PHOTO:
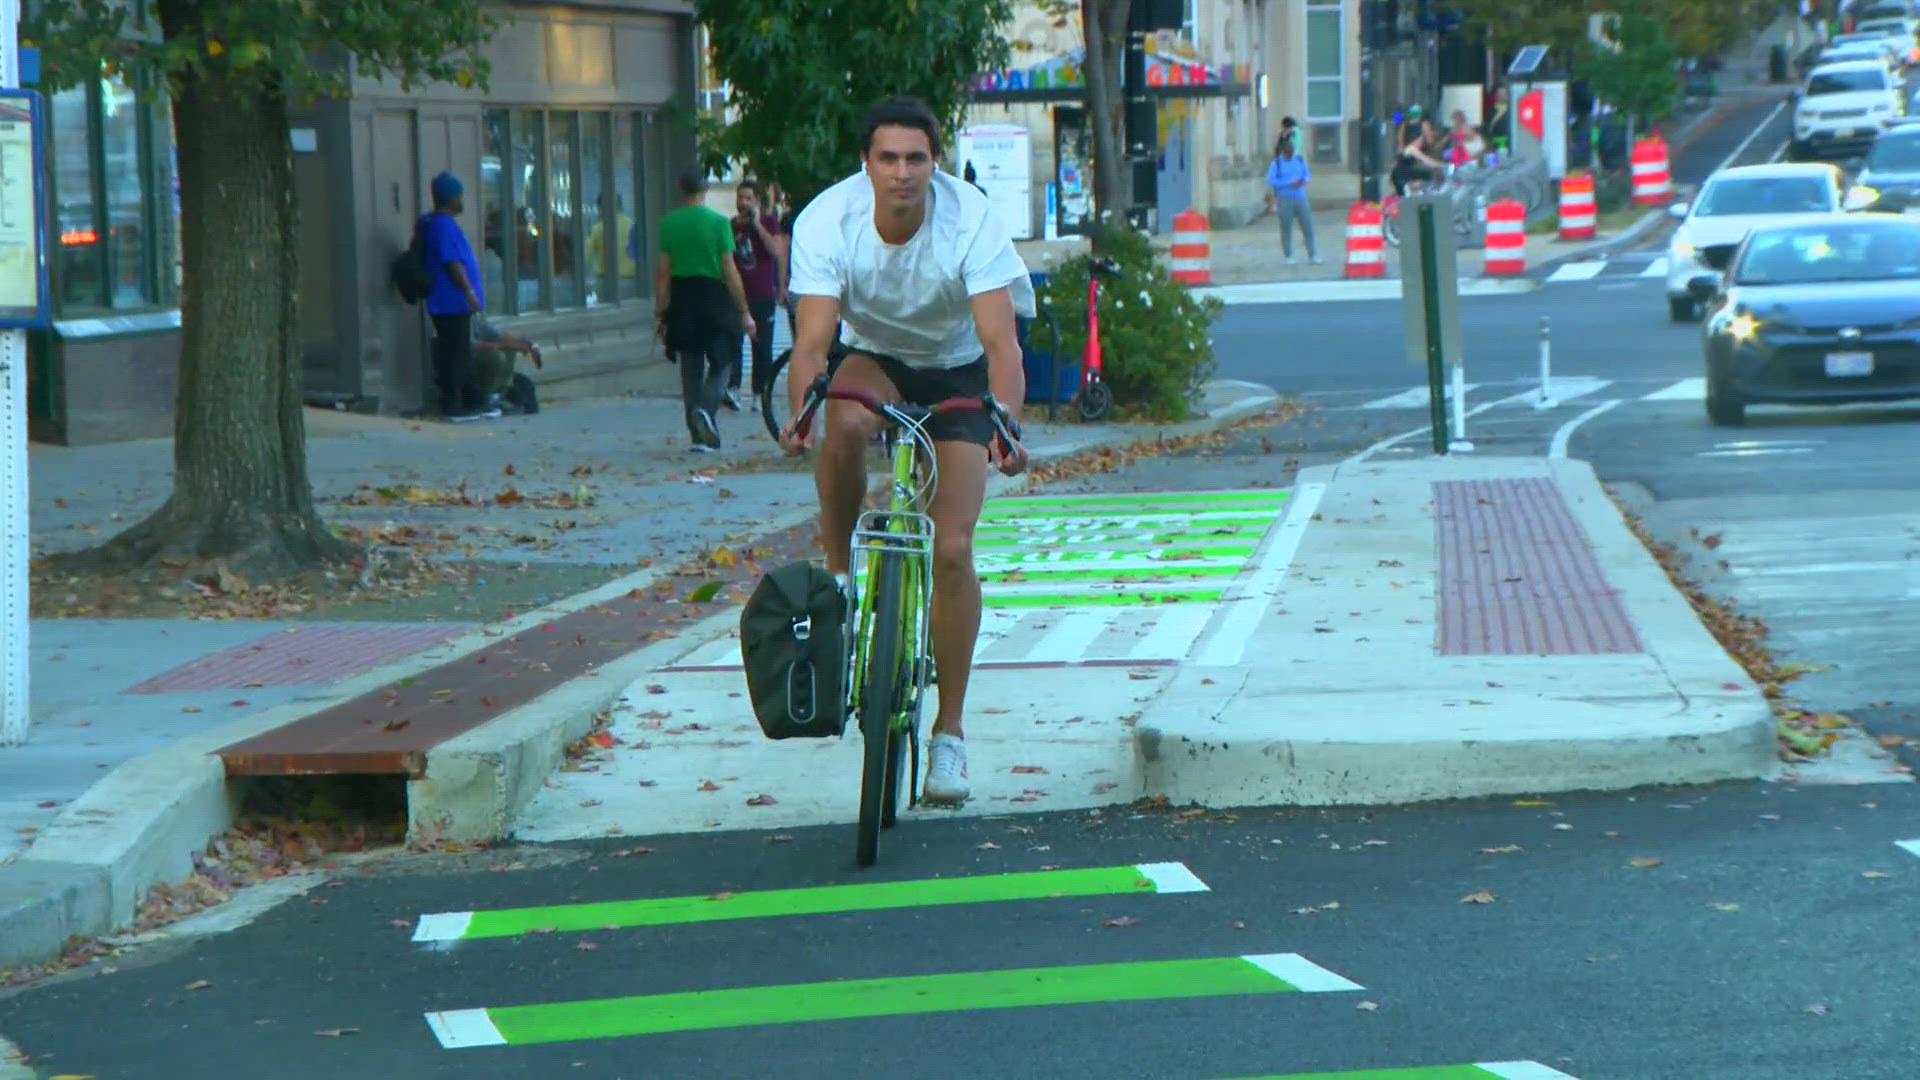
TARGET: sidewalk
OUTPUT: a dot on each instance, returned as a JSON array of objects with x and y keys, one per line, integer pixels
[
  {"x": 614, "y": 524},
  {"x": 1401, "y": 631}
]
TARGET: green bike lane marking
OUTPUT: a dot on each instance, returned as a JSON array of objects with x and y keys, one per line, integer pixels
[
  {"x": 1490, "y": 1070},
  {"x": 906, "y": 995},
  {"x": 1150, "y": 498},
  {"x": 868, "y": 896},
  {"x": 1134, "y": 597}
]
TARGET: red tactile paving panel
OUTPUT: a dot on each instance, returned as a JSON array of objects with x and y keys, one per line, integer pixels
[
  {"x": 305, "y": 656},
  {"x": 1518, "y": 576}
]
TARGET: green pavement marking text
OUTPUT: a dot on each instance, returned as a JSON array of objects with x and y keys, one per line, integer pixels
[
  {"x": 868, "y": 896},
  {"x": 704, "y": 1010},
  {"x": 1497, "y": 1070}
]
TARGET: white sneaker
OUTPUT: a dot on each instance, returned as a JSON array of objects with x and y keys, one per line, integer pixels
[
  {"x": 1291, "y": 261},
  {"x": 946, "y": 771}
]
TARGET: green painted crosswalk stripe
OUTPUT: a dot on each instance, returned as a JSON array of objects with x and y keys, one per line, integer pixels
[
  {"x": 1141, "y": 499},
  {"x": 705, "y": 1010},
  {"x": 1140, "y": 596},
  {"x": 867, "y": 896},
  {"x": 1239, "y": 543},
  {"x": 1172, "y": 571},
  {"x": 1496, "y": 1070},
  {"x": 1154, "y": 523}
]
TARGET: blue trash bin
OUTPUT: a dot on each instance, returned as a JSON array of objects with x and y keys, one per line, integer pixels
[{"x": 1039, "y": 339}]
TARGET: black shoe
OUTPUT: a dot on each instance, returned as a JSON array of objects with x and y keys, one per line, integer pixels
[{"x": 705, "y": 434}]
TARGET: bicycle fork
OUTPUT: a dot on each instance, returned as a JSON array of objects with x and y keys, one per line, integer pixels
[{"x": 907, "y": 533}]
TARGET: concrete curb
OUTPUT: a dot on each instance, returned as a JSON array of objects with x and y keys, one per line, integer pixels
[
  {"x": 1200, "y": 741},
  {"x": 142, "y": 823}
]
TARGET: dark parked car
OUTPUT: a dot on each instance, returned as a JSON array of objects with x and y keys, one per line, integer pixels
[{"x": 1820, "y": 310}]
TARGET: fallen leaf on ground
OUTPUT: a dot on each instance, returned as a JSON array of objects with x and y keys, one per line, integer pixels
[
  {"x": 585, "y": 946},
  {"x": 721, "y": 896},
  {"x": 1818, "y": 1010},
  {"x": 761, "y": 800},
  {"x": 1481, "y": 897},
  {"x": 334, "y": 1033},
  {"x": 1367, "y": 1006},
  {"x": 400, "y": 924},
  {"x": 709, "y": 786},
  {"x": 541, "y": 929},
  {"x": 1120, "y": 920},
  {"x": 1027, "y": 769},
  {"x": 1725, "y": 907},
  {"x": 1504, "y": 849},
  {"x": 986, "y": 845},
  {"x": 1531, "y": 802},
  {"x": 1643, "y": 861},
  {"x": 1875, "y": 874},
  {"x": 199, "y": 984}
]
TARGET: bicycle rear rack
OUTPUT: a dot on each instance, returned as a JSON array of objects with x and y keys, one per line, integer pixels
[{"x": 911, "y": 534}]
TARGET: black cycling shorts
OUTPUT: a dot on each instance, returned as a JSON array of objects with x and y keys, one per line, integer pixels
[{"x": 930, "y": 386}]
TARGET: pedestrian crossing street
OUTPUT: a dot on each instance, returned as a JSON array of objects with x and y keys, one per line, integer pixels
[
  {"x": 1111, "y": 579},
  {"x": 1625, "y": 265},
  {"x": 1565, "y": 389},
  {"x": 468, "y": 939}
]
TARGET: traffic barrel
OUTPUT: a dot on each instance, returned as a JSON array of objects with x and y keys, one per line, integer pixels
[
  {"x": 1652, "y": 180},
  {"x": 1578, "y": 214},
  {"x": 1366, "y": 242},
  {"x": 1506, "y": 238},
  {"x": 1192, "y": 248}
]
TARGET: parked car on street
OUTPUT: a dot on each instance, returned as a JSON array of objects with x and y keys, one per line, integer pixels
[
  {"x": 1818, "y": 310},
  {"x": 1732, "y": 203}
]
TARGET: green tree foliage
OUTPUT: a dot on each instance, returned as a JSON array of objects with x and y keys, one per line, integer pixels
[
  {"x": 1642, "y": 75},
  {"x": 1155, "y": 348},
  {"x": 241, "y": 496},
  {"x": 802, "y": 74},
  {"x": 1509, "y": 24}
]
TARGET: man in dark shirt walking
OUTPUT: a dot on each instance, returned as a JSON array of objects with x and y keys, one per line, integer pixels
[
  {"x": 452, "y": 301},
  {"x": 760, "y": 251}
]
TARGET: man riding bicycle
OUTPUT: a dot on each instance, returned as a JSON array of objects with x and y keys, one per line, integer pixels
[{"x": 922, "y": 279}]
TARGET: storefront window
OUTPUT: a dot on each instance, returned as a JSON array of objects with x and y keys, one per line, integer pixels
[
  {"x": 632, "y": 213},
  {"x": 594, "y": 205},
  {"x": 1326, "y": 60},
  {"x": 77, "y": 270},
  {"x": 131, "y": 280},
  {"x": 532, "y": 247},
  {"x": 564, "y": 184},
  {"x": 496, "y": 251}
]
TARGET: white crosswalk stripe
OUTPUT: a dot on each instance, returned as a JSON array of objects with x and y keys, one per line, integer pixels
[
  {"x": 1578, "y": 271},
  {"x": 1656, "y": 268},
  {"x": 1411, "y": 398},
  {"x": 1694, "y": 389}
]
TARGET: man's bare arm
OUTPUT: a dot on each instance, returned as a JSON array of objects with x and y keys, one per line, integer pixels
[{"x": 1000, "y": 336}]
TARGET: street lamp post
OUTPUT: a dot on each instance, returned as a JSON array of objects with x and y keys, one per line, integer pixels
[{"x": 14, "y": 544}]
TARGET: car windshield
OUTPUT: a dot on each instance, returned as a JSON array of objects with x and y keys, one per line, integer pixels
[
  {"x": 1895, "y": 153},
  {"x": 1845, "y": 82},
  {"x": 1849, "y": 53},
  {"x": 1884, "y": 29},
  {"x": 1766, "y": 195},
  {"x": 1830, "y": 253}
]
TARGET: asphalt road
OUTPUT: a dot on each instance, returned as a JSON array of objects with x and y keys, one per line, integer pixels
[{"x": 1770, "y": 940}]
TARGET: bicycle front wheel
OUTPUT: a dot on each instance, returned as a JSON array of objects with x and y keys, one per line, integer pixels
[
  {"x": 879, "y": 700},
  {"x": 773, "y": 395}
]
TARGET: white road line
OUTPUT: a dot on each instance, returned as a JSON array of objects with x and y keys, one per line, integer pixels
[
  {"x": 1684, "y": 390},
  {"x": 1751, "y": 135},
  {"x": 1799, "y": 569},
  {"x": 1069, "y": 638},
  {"x": 1412, "y": 398},
  {"x": 1521, "y": 1070},
  {"x": 1171, "y": 877},
  {"x": 1571, "y": 388},
  {"x": 1756, "y": 453},
  {"x": 1173, "y": 633},
  {"x": 1301, "y": 973},
  {"x": 1243, "y": 613},
  {"x": 458, "y": 1029},
  {"x": 442, "y": 926},
  {"x": 1578, "y": 271},
  {"x": 1558, "y": 448},
  {"x": 1779, "y": 153},
  {"x": 1656, "y": 268},
  {"x": 1395, "y": 440},
  {"x": 1911, "y": 847}
]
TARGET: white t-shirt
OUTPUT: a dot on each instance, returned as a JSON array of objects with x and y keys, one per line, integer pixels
[{"x": 910, "y": 301}]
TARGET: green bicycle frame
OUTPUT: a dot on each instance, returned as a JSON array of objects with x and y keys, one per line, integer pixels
[{"x": 904, "y": 531}]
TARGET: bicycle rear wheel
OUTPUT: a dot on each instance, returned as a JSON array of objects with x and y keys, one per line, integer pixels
[
  {"x": 773, "y": 395},
  {"x": 885, "y": 746}
]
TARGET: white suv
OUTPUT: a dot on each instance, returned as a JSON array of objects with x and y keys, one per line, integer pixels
[{"x": 1840, "y": 110}]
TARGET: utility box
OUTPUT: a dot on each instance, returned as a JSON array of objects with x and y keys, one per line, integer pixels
[{"x": 1539, "y": 94}]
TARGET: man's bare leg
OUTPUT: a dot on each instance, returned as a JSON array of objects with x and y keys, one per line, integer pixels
[
  {"x": 956, "y": 587},
  {"x": 840, "y": 473}
]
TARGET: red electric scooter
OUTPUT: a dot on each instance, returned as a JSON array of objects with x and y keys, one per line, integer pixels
[{"x": 1093, "y": 398}]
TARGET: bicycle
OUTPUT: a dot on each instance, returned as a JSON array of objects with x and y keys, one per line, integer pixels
[
  {"x": 773, "y": 395},
  {"x": 889, "y": 662},
  {"x": 1464, "y": 187}
]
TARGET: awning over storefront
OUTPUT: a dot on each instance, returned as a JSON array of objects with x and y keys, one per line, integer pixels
[{"x": 1063, "y": 79}]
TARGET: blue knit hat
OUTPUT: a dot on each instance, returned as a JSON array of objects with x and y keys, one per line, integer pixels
[{"x": 446, "y": 188}]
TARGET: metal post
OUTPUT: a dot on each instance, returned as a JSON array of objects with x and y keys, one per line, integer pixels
[
  {"x": 1459, "y": 445},
  {"x": 1546, "y": 400},
  {"x": 14, "y": 543},
  {"x": 1430, "y": 299},
  {"x": 1369, "y": 135}
]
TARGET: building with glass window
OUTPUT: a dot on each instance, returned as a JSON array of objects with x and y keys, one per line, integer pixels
[{"x": 565, "y": 158}]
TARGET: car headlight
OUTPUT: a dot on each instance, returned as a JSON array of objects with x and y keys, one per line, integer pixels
[
  {"x": 1743, "y": 326},
  {"x": 1682, "y": 248}
]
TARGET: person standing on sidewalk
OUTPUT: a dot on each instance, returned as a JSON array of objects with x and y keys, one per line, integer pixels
[
  {"x": 453, "y": 299},
  {"x": 696, "y": 294},
  {"x": 1287, "y": 194},
  {"x": 760, "y": 251}
]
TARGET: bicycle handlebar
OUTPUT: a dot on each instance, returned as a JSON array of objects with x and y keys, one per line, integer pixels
[{"x": 822, "y": 390}]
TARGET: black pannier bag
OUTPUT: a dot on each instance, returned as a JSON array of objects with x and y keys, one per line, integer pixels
[{"x": 793, "y": 644}]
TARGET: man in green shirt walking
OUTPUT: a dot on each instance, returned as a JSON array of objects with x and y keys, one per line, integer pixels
[{"x": 699, "y": 305}]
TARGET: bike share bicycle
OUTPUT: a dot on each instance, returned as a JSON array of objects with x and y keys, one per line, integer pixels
[{"x": 873, "y": 624}]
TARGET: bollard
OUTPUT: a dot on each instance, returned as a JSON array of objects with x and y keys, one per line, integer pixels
[
  {"x": 1192, "y": 255},
  {"x": 1652, "y": 178},
  {"x": 1546, "y": 400}
]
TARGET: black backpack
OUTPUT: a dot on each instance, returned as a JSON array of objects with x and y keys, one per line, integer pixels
[
  {"x": 411, "y": 279},
  {"x": 793, "y": 643}
]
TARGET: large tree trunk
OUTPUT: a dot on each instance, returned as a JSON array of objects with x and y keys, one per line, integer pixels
[
  {"x": 240, "y": 491},
  {"x": 1104, "y": 23}
]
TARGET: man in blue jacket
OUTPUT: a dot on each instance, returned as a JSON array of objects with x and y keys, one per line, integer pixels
[{"x": 453, "y": 300}]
